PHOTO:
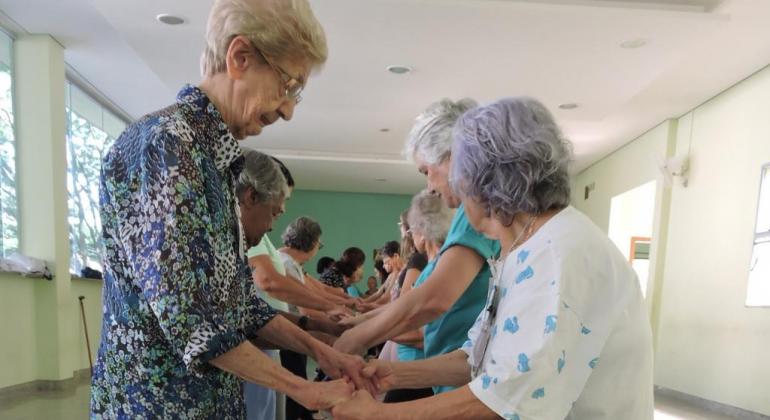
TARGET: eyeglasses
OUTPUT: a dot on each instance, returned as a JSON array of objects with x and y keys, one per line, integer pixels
[{"x": 292, "y": 87}]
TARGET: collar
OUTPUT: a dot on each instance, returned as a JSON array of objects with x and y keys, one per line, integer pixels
[{"x": 217, "y": 140}]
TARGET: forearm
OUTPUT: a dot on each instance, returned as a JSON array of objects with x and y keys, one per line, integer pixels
[
  {"x": 402, "y": 315},
  {"x": 412, "y": 338},
  {"x": 293, "y": 292},
  {"x": 250, "y": 363},
  {"x": 458, "y": 404},
  {"x": 320, "y": 323},
  {"x": 285, "y": 335},
  {"x": 449, "y": 369}
]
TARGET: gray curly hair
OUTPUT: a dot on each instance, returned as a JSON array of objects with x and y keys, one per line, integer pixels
[
  {"x": 512, "y": 157},
  {"x": 262, "y": 174},
  {"x": 430, "y": 217},
  {"x": 431, "y": 136},
  {"x": 302, "y": 234}
]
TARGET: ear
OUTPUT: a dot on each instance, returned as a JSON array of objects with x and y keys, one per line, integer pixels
[
  {"x": 237, "y": 59},
  {"x": 249, "y": 198}
]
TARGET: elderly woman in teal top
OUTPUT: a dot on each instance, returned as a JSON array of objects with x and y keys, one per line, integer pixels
[
  {"x": 565, "y": 333},
  {"x": 452, "y": 290}
]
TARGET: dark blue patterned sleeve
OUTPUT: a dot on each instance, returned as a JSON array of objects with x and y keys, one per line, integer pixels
[{"x": 169, "y": 220}]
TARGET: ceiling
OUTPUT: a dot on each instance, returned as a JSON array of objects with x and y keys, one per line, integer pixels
[{"x": 559, "y": 51}]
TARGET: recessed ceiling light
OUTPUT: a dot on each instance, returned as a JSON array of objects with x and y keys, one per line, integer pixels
[
  {"x": 633, "y": 43},
  {"x": 384, "y": 130},
  {"x": 170, "y": 19},
  {"x": 399, "y": 69},
  {"x": 570, "y": 105}
]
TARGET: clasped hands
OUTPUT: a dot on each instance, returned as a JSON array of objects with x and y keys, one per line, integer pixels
[{"x": 352, "y": 396}]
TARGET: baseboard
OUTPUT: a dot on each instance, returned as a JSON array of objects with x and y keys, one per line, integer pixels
[
  {"x": 79, "y": 377},
  {"x": 713, "y": 406}
]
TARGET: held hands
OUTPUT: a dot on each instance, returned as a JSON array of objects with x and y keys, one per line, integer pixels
[
  {"x": 362, "y": 405},
  {"x": 324, "y": 395},
  {"x": 381, "y": 374},
  {"x": 339, "y": 312},
  {"x": 338, "y": 365}
]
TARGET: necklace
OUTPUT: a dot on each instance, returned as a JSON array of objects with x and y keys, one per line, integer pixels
[{"x": 525, "y": 233}]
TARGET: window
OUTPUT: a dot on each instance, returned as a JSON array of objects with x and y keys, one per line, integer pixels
[
  {"x": 9, "y": 227},
  {"x": 91, "y": 130},
  {"x": 759, "y": 274}
]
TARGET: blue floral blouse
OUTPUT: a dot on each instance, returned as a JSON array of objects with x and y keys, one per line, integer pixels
[{"x": 177, "y": 290}]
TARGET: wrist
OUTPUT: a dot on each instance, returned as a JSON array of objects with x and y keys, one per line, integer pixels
[{"x": 304, "y": 322}]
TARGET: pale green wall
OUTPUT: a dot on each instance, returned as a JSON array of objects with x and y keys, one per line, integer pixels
[
  {"x": 708, "y": 343},
  {"x": 18, "y": 354},
  {"x": 92, "y": 291},
  {"x": 41, "y": 328},
  {"x": 711, "y": 345},
  {"x": 347, "y": 219}
]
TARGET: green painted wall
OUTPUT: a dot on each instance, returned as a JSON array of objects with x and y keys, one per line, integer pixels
[
  {"x": 347, "y": 219},
  {"x": 18, "y": 354}
]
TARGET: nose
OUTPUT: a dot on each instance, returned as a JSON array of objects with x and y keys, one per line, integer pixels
[{"x": 286, "y": 110}]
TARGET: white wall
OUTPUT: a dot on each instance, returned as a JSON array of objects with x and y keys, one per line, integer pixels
[
  {"x": 708, "y": 343},
  {"x": 627, "y": 168}
]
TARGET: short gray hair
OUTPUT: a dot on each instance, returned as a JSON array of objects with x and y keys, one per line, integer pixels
[
  {"x": 430, "y": 217},
  {"x": 431, "y": 136},
  {"x": 302, "y": 234},
  {"x": 279, "y": 28},
  {"x": 261, "y": 173},
  {"x": 512, "y": 157}
]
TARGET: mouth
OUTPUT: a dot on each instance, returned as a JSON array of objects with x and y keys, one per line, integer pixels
[{"x": 264, "y": 120}]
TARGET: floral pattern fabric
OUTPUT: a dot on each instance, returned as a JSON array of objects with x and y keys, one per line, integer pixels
[
  {"x": 177, "y": 290},
  {"x": 566, "y": 334},
  {"x": 333, "y": 278}
]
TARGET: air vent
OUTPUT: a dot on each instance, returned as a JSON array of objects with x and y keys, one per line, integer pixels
[{"x": 700, "y": 6}]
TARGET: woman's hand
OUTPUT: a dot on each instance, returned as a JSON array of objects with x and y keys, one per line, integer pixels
[
  {"x": 337, "y": 365},
  {"x": 328, "y": 326},
  {"x": 324, "y": 395},
  {"x": 381, "y": 374},
  {"x": 350, "y": 322},
  {"x": 362, "y": 406},
  {"x": 339, "y": 312}
]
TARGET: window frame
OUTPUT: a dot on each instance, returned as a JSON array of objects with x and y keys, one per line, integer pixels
[
  {"x": 70, "y": 111},
  {"x": 14, "y": 127},
  {"x": 758, "y": 237}
]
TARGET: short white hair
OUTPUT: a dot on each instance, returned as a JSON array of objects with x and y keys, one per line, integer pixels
[
  {"x": 279, "y": 28},
  {"x": 430, "y": 217},
  {"x": 431, "y": 136}
]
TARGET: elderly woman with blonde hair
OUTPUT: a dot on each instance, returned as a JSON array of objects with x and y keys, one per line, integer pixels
[{"x": 180, "y": 310}]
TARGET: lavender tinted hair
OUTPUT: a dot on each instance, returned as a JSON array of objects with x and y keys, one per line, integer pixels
[
  {"x": 431, "y": 136},
  {"x": 511, "y": 157}
]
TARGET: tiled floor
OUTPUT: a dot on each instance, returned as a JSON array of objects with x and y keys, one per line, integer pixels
[{"x": 60, "y": 405}]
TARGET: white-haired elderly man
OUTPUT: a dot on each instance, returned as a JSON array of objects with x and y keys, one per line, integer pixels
[
  {"x": 565, "y": 333},
  {"x": 180, "y": 310}
]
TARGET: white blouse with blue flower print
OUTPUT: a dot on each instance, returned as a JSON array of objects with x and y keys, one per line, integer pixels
[{"x": 570, "y": 337}]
